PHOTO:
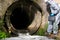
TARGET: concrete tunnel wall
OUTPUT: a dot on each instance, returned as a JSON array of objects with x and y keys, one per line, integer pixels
[{"x": 34, "y": 20}]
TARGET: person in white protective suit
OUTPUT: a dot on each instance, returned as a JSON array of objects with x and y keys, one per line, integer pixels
[{"x": 54, "y": 17}]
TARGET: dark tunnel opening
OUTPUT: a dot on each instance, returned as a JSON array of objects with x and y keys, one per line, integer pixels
[{"x": 20, "y": 18}]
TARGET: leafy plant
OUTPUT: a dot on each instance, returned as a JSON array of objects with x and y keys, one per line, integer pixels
[{"x": 2, "y": 35}]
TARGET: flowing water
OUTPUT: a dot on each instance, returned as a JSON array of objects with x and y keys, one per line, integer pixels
[{"x": 26, "y": 36}]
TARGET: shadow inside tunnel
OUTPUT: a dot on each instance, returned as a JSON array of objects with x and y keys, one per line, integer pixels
[{"x": 19, "y": 18}]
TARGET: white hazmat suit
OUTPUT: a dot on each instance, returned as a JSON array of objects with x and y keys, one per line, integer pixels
[{"x": 55, "y": 14}]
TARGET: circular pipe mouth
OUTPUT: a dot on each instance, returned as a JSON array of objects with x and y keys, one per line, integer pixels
[{"x": 23, "y": 16}]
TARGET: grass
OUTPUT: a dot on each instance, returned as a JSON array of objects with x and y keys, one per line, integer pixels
[
  {"x": 42, "y": 31},
  {"x": 3, "y": 34}
]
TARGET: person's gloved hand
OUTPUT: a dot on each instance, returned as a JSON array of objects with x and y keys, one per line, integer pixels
[{"x": 51, "y": 14}]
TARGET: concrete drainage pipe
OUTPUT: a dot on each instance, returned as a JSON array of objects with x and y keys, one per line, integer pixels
[{"x": 23, "y": 16}]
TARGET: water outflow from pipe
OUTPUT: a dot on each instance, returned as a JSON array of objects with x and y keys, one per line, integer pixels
[{"x": 23, "y": 34}]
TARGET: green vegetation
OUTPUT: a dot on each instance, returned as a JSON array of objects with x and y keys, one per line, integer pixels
[
  {"x": 46, "y": 26},
  {"x": 3, "y": 34},
  {"x": 1, "y": 23},
  {"x": 42, "y": 31}
]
